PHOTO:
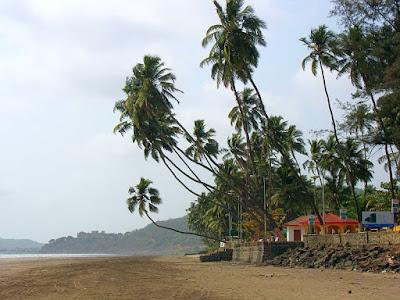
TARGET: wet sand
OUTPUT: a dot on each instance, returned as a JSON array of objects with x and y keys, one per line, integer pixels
[{"x": 183, "y": 278}]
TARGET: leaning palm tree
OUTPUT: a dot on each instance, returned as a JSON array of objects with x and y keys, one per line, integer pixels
[
  {"x": 320, "y": 43},
  {"x": 146, "y": 198},
  {"x": 147, "y": 113},
  {"x": 234, "y": 53}
]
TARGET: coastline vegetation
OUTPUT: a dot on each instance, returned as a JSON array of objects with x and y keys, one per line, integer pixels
[{"x": 267, "y": 173}]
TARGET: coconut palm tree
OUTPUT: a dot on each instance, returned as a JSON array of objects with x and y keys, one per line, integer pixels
[
  {"x": 359, "y": 122},
  {"x": 320, "y": 43},
  {"x": 358, "y": 60},
  {"x": 295, "y": 142},
  {"x": 146, "y": 198},
  {"x": 234, "y": 52},
  {"x": 202, "y": 142},
  {"x": 147, "y": 112},
  {"x": 361, "y": 169},
  {"x": 250, "y": 109},
  {"x": 235, "y": 39}
]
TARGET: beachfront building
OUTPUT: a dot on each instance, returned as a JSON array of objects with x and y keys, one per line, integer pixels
[{"x": 298, "y": 227}]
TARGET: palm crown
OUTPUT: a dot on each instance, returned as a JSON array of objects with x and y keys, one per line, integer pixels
[
  {"x": 144, "y": 197},
  {"x": 321, "y": 43},
  {"x": 203, "y": 143},
  {"x": 147, "y": 108},
  {"x": 251, "y": 111},
  {"x": 234, "y": 51}
]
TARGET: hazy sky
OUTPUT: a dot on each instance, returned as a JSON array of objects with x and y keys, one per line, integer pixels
[{"x": 62, "y": 67}]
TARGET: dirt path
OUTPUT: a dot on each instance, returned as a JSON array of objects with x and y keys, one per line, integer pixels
[{"x": 183, "y": 278}]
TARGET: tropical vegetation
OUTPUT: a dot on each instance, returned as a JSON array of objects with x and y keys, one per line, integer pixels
[{"x": 266, "y": 173}]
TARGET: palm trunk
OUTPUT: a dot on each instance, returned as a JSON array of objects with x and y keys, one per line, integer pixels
[
  {"x": 356, "y": 203},
  {"x": 177, "y": 178},
  {"x": 337, "y": 140},
  {"x": 206, "y": 185},
  {"x": 295, "y": 159},
  {"x": 182, "y": 232},
  {"x": 365, "y": 157},
  {"x": 196, "y": 162},
  {"x": 383, "y": 128},
  {"x": 245, "y": 128},
  {"x": 190, "y": 169},
  {"x": 283, "y": 153},
  {"x": 261, "y": 103},
  {"x": 329, "y": 105}
]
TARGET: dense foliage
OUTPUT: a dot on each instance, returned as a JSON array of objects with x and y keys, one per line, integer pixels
[{"x": 258, "y": 180}]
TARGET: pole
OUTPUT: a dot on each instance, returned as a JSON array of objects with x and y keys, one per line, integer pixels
[
  {"x": 323, "y": 202},
  {"x": 265, "y": 211},
  {"x": 230, "y": 225},
  {"x": 238, "y": 221}
]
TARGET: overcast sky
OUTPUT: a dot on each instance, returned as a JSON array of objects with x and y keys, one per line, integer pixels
[{"x": 62, "y": 67}]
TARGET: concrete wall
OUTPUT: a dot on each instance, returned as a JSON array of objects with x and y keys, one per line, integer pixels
[
  {"x": 260, "y": 252},
  {"x": 353, "y": 239}
]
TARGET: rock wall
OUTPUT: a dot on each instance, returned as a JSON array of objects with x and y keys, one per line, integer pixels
[
  {"x": 353, "y": 239},
  {"x": 260, "y": 252},
  {"x": 367, "y": 258}
]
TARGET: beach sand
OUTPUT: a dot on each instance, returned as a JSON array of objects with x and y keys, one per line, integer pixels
[{"x": 183, "y": 278}]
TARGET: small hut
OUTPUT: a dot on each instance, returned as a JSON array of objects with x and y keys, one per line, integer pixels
[{"x": 298, "y": 227}]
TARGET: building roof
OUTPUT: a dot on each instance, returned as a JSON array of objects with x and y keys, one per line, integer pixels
[{"x": 330, "y": 219}]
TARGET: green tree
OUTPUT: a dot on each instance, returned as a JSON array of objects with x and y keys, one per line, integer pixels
[
  {"x": 320, "y": 43},
  {"x": 359, "y": 61},
  {"x": 146, "y": 198},
  {"x": 234, "y": 53}
]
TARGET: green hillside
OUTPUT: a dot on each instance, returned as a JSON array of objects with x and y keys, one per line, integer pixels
[{"x": 150, "y": 240}]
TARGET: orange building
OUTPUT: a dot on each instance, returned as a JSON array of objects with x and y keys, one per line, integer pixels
[{"x": 333, "y": 224}]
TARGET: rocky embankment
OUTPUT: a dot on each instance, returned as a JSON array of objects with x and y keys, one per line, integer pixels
[{"x": 365, "y": 258}]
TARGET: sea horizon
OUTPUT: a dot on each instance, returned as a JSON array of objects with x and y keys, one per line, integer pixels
[{"x": 54, "y": 255}]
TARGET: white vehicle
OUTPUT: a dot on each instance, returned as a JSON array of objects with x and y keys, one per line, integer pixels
[{"x": 377, "y": 219}]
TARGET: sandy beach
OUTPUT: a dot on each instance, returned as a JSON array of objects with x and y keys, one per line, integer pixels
[{"x": 182, "y": 278}]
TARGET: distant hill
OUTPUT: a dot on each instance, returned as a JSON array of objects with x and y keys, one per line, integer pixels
[
  {"x": 19, "y": 246},
  {"x": 150, "y": 240}
]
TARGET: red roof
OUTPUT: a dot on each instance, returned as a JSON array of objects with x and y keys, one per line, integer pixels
[{"x": 330, "y": 219}]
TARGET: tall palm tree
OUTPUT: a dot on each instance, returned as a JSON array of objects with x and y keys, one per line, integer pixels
[
  {"x": 234, "y": 52},
  {"x": 320, "y": 43},
  {"x": 358, "y": 60},
  {"x": 361, "y": 169},
  {"x": 359, "y": 122},
  {"x": 146, "y": 198}
]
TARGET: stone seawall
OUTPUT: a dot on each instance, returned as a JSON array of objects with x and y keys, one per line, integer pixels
[
  {"x": 353, "y": 239},
  {"x": 260, "y": 252}
]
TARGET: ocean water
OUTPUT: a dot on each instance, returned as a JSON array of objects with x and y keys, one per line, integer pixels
[{"x": 39, "y": 256}]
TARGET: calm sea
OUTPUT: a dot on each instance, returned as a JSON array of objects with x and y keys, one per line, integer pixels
[{"x": 16, "y": 256}]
